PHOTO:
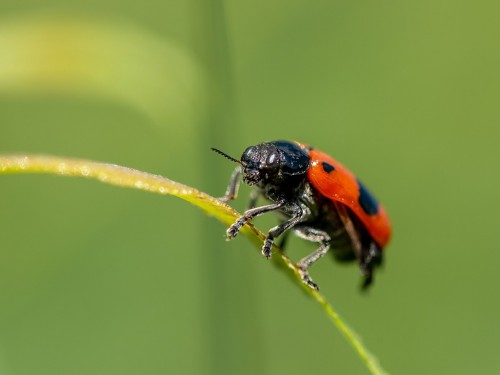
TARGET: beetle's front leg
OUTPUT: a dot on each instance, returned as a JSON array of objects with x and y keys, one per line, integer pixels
[
  {"x": 233, "y": 186},
  {"x": 298, "y": 215},
  {"x": 233, "y": 230}
]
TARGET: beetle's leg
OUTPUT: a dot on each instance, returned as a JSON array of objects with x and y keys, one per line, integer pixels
[
  {"x": 314, "y": 235},
  {"x": 368, "y": 254},
  {"x": 254, "y": 196},
  {"x": 233, "y": 230},
  {"x": 298, "y": 215},
  {"x": 233, "y": 186},
  {"x": 370, "y": 258}
]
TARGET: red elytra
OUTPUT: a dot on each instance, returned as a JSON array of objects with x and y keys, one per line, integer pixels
[{"x": 341, "y": 185}]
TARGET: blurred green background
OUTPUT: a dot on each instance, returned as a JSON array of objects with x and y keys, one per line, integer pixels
[{"x": 100, "y": 280}]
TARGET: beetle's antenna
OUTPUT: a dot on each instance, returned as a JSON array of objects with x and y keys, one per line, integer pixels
[{"x": 226, "y": 155}]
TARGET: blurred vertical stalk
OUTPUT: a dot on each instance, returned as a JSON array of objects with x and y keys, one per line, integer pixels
[{"x": 232, "y": 343}]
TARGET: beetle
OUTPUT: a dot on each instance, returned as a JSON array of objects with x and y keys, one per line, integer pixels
[{"x": 317, "y": 198}]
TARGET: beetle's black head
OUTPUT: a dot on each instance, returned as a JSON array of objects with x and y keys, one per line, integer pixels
[{"x": 277, "y": 163}]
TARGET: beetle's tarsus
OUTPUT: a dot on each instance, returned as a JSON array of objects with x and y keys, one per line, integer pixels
[
  {"x": 225, "y": 199},
  {"x": 306, "y": 279},
  {"x": 267, "y": 248},
  {"x": 234, "y": 229}
]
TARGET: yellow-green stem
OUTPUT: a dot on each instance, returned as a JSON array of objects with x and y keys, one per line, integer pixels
[{"x": 132, "y": 178}]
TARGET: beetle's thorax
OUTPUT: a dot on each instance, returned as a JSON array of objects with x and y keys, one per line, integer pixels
[{"x": 289, "y": 188}]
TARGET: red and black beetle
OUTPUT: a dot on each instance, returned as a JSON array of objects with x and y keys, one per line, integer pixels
[{"x": 317, "y": 198}]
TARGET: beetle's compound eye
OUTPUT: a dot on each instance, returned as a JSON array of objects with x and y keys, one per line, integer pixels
[
  {"x": 249, "y": 152},
  {"x": 273, "y": 159}
]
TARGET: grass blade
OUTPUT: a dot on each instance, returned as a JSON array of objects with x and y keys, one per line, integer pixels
[{"x": 132, "y": 178}]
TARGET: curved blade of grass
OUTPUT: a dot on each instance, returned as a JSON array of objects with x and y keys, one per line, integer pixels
[
  {"x": 132, "y": 178},
  {"x": 65, "y": 53}
]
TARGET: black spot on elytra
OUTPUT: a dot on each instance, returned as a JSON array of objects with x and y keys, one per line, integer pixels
[
  {"x": 327, "y": 167},
  {"x": 366, "y": 200}
]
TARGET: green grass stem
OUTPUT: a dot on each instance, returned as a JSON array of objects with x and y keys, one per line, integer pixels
[{"x": 132, "y": 178}]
